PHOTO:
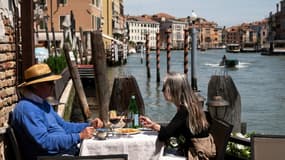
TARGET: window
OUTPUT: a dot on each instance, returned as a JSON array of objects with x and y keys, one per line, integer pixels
[
  {"x": 96, "y": 3},
  {"x": 62, "y": 2},
  {"x": 93, "y": 22},
  {"x": 42, "y": 24},
  {"x": 96, "y": 23},
  {"x": 61, "y": 20}
]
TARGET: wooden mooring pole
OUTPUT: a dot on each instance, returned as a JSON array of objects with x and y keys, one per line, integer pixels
[
  {"x": 47, "y": 36},
  {"x": 77, "y": 81},
  {"x": 83, "y": 41},
  {"x": 168, "y": 49},
  {"x": 27, "y": 35},
  {"x": 100, "y": 69},
  {"x": 186, "y": 46},
  {"x": 147, "y": 55},
  {"x": 193, "y": 59},
  {"x": 157, "y": 57}
]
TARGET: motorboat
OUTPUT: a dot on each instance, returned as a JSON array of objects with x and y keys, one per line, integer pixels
[{"x": 229, "y": 63}]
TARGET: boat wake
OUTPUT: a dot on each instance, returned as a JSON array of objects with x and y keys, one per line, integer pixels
[
  {"x": 217, "y": 65},
  {"x": 214, "y": 65},
  {"x": 243, "y": 65}
]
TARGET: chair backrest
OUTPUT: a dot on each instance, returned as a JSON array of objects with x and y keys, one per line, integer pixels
[
  {"x": 97, "y": 157},
  {"x": 221, "y": 132},
  {"x": 264, "y": 147},
  {"x": 13, "y": 143},
  {"x": 14, "y": 151}
]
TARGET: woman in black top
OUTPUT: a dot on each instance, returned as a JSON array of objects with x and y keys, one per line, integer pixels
[{"x": 189, "y": 121}]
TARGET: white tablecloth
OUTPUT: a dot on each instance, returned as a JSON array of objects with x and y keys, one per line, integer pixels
[{"x": 142, "y": 146}]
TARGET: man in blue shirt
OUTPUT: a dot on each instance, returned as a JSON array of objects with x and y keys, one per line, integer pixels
[{"x": 39, "y": 129}]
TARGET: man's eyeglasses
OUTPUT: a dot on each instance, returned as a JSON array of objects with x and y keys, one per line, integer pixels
[{"x": 49, "y": 83}]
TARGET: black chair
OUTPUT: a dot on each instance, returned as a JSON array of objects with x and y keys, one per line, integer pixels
[
  {"x": 97, "y": 157},
  {"x": 221, "y": 132},
  {"x": 264, "y": 147},
  {"x": 13, "y": 144}
]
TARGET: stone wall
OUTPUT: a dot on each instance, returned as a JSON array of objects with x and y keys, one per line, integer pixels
[{"x": 8, "y": 96}]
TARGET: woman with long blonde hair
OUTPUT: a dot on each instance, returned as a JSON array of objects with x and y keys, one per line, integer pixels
[{"x": 189, "y": 121}]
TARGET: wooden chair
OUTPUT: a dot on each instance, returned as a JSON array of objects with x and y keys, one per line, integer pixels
[
  {"x": 265, "y": 147},
  {"x": 221, "y": 132}
]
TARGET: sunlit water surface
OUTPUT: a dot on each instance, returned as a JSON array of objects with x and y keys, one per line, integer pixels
[{"x": 259, "y": 79}]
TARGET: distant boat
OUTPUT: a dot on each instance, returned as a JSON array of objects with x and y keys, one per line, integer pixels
[
  {"x": 233, "y": 48},
  {"x": 278, "y": 48},
  {"x": 249, "y": 47},
  {"x": 229, "y": 63},
  {"x": 132, "y": 50}
]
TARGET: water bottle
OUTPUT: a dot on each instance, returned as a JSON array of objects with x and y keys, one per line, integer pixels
[{"x": 133, "y": 112}]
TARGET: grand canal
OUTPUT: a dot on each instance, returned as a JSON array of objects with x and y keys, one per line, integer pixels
[{"x": 259, "y": 79}]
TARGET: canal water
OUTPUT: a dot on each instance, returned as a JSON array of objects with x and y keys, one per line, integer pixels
[{"x": 259, "y": 79}]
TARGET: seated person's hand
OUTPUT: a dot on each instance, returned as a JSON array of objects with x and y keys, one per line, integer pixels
[
  {"x": 87, "y": 133},
  {"x": 97, "y": 123},
  {"x": 146, "y": 122}
]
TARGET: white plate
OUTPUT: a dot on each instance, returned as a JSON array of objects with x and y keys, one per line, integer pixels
[
  {"x": 127, "y": 131},
  {"x": 144, "y": 129}
]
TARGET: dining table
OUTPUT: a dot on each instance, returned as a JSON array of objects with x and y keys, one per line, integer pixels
[{"x": 142, "y": 145}]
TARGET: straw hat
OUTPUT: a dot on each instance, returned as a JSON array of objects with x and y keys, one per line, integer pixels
[{"x": 38, "y": 73}]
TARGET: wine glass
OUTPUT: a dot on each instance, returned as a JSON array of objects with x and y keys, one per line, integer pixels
[
  {"x": 114, "y": 121},
  {"x": 117, "y": 122},
  {"x": 127, "y": 121}
]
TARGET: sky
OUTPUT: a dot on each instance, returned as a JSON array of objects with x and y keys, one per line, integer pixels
[{"x": 223, "y": 12}]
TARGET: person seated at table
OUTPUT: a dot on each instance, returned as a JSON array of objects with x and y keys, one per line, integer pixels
[
  {"x": 38, "y": 128},
  {"x": 189, "y": 121}
]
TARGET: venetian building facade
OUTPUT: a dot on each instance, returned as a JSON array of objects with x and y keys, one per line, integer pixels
[
  {"x": 87, "y": 15},
  {"x": 210, "y": 35},
  {"x": 139, "y": 26},
  {"x": 233, "y": 35},
  {"x": 119, "y": 22},
  {"x": 276, "y": 21},
  {"x": 176, "y": 29}
]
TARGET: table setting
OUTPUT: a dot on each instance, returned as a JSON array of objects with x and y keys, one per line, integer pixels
[{"x": 138, "y": 143}]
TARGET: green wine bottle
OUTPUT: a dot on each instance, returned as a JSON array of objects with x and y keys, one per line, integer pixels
[{"x": 134, "y": 112}]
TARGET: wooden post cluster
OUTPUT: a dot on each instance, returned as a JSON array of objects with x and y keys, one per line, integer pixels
[
  {"x": 147, "y": 55},
  {"x": 168, "y": 49},
  {"x": 157, "y": 57}
]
